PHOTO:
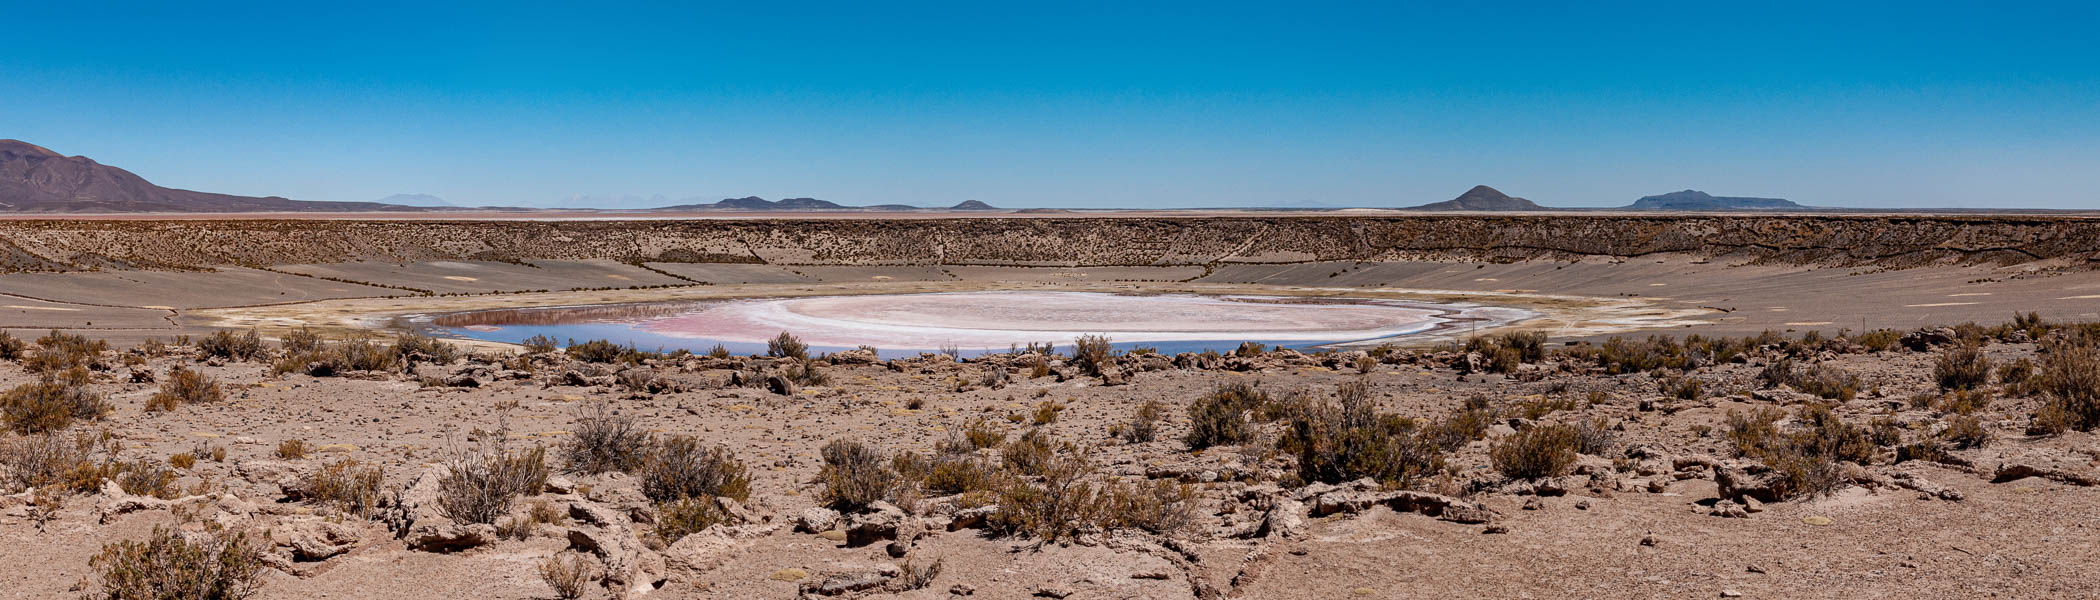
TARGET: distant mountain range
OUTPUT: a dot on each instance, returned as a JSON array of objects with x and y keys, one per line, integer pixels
[
  {"x": 1482, "y": 198},
  {"x": 34, "y": 179},
  {"x": 1697, "y": 200}
]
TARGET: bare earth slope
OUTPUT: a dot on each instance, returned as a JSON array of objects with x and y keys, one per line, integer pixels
[{"x": 1057, "y": 241}]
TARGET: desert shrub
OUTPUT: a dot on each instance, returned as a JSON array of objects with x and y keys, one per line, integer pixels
[
  {"x": 1683, "y": 388},
  {"x": 597, "y": 351},
  {"x": 719, "y": 351},
  {"x": 480, "y": 483},
  {"x": 1825, "y": 381},
  {"x": 806, "y": 374},
  {"x": 1143, "y": 425},
  {"x": 1535, "y": 452},
  {"x": 77, "y": 462},
  {"x": 786, "y": 345},
  {"x": 983, "y": 433},
  {"x": 1824, "y": 434},
  {"x": 1807, "y": 459},
  {"x": 681, "y": 467},
  {"x": 1803, "y": 474},
  {"x": 1158, "y": 506},
  {"x": 1059, "y": 504},
  {"x": 51, "y": 403},
  {"x": 2069, "y": 381},
  {"x": 291, "y": 449},
  {"x": 1885, "y": 432},
  {"x": 246, "y": 345},
  {"x": 168, "y": 565},
  {"x": 423, "y": 348},
  {"x": 58, "y": 352},
  {"x": 1620, "y": 356},
  {"x": 539, "y": 344},
  {"x": 144, "y": 477},
  {"x": 949, "y": 473},
  {"x": 1092, "y": 354},
  {"x": 1046, "y": 412},
  {"x": 1538, "y": 408},
  {"x": 1964, "y": 402},
  {"x": 570, "y": 573},
  {"x": 605, "y": 441},
  {"x": 1470, "y": 422},
  {"x": 1028, "y": 454},
  {"x": 1966, "y": 431},
  {"x": 346, "y": 485},
  {"x": 676, "y": 519},
  {"x": 993, "y": 377},
  {"x": 299, "y": 340},
  {"x": 1594, "y": 437},
  {"x": 1753, "y": 432},
  {"x": 182, "y": 460},
  {"x": 913, "y": 576},
  {"x": 1347, "y": 440},
  {"x": 185, "y": 386},
  {"x": 854, "y": 476},
  {"x": 11, "y": 347},
  {"x": 1962, "y": 367},
  {"x": 1880, "y": 340},
  {"x": 1220, "y": 417}
]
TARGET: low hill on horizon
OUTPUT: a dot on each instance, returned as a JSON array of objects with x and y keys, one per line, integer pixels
[
  {"x": 1698, "y": 200},
  {"x": 1482, "y": 198},
  {"x": 34, "y": 179}
]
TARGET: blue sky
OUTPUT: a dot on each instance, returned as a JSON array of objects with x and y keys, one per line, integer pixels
[{"x": 1077, "y": 104}]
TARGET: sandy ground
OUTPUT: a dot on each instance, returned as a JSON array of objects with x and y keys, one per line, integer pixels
[
  {"x": 1641, "y": 527},
  {"x": 1638, "y": 535}
]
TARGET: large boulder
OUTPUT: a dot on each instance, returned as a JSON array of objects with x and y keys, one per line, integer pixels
[{"x": 609, "y": 535}]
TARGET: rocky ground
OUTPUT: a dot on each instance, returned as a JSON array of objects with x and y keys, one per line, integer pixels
[{"x": 1915, "y": 490}]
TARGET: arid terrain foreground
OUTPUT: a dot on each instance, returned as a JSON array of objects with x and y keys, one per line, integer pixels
[{"x": 1706, "y": 406}]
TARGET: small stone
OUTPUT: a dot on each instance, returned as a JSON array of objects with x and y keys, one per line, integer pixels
[
  {"x": 961, "y": 589},
  {"x": 1494, "y": 530},
  {"x": 1816, "y": 520},
  {"x": 1582, "y": 504},
  {"x": 1731, "y": 594},
  {"x": 1648, "y": 540},
  {"x": 1052, "y": 592}
]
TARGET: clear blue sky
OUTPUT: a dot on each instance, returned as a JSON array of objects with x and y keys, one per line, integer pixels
[{"x": 1113, "y": 104}]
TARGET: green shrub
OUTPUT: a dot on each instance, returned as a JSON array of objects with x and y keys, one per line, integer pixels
[{"x": 247, "y": 345}]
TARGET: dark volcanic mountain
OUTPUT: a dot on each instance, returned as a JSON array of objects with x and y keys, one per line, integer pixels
[
  {"x": 973, "y": 205},
  {"x": 34, "y": 179},
  {"x": 1697, "y": 200},
  {"x": 1482, "y": 198}
]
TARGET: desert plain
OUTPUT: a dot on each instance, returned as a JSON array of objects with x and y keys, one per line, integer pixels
[{"x": 1758, "y": 406}]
